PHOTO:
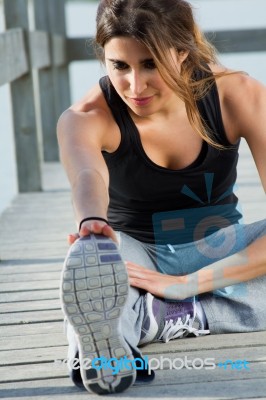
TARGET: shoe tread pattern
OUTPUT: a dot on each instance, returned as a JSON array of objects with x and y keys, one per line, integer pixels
[{"x": 93, "y": 292}]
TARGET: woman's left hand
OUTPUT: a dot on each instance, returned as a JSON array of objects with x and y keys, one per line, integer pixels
[{"x": 160, "y": 285}]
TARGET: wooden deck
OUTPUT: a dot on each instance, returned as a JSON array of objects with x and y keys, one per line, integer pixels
[{"x": 32, "y": 247}]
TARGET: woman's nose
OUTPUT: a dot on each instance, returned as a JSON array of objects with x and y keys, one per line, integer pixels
[{"x": 138, "y": 83}]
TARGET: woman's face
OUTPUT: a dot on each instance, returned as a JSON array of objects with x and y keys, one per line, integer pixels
[{"x": 136, "y": 79}]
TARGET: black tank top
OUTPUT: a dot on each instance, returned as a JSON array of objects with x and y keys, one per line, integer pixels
[{"x": 159, "y": 205}]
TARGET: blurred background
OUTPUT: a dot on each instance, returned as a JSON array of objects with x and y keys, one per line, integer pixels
[{"x": 212, "y": 15}]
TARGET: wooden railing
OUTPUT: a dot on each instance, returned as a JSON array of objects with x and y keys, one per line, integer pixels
[
  {"x": 29, "y": 56},
  {"x": 34, "y": 60}
]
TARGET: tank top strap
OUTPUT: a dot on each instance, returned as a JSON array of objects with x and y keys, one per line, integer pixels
[{"x": 120, "y": 114}]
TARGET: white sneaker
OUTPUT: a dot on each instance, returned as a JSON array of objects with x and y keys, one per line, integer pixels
[{"x": 94, "y": 289}]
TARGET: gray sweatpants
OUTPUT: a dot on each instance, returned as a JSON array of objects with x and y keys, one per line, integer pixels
[{"x": 237, "y": 308}]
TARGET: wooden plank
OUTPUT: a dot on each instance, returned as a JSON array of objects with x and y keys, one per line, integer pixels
[
  {"x": 202, "y": 389},
  {"x": 32, "y": 277},
  {"x": 28, "y": 286},
  {"x": 210, "y": 342},
  {"x": 15, "y": 267},
  {"x": 43, "y": 328},
  {"x": 59, "y": 50},
  {"x": 33, "y": 356},
  {"x": 238, "y": 41},
  {"x": 40, "y": 53},
  {"x": 80, "y": 49},
  {"x": 32, "y": 341},
  {"x": 13, "y": 60},
  {"x": 31, "y": 371},
  {"x": 44, "y": 389},
  {"x": 33, "y": 255},
  {"x": 30, "y": 295},
  {"x": 39, "y": 305},
  {"x": 63, "y": 388},
  {"x": 33, "y": 252},
  {"x": 26, "y": 141},
  {"x": 28, "y": 317}
]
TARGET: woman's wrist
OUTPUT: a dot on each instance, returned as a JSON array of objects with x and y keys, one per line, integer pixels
[{"x": 90, "y": 219}]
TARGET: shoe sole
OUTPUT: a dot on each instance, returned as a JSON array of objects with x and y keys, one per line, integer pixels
[{"x": 94, "y": 288}]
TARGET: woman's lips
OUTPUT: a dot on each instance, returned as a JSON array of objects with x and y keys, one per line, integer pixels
[{"x": 143, "y": 101}]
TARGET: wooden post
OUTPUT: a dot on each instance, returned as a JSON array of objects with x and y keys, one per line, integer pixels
[
  {"x": 54, "y": 83},
  {"x": 22, "y": 93},
  {"x": 58, "y": 26},
  {"x": 49, "y": 114}
]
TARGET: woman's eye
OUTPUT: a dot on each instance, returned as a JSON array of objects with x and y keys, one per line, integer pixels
[
  {"x": 150, "y": 65},
  {"x": 120, "y": 66}
]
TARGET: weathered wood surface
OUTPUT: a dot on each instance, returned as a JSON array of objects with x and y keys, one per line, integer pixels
[
  {"x": 13, "y": 60},
  {"x": 43, "y": 47},
  {"x": 32, "y": 247},
  {"x": 238, "y": 41},
  {"x": 54, "y": 92},
  {"x": 39, "y": 44},
  {"x": 22, "y": 93}
]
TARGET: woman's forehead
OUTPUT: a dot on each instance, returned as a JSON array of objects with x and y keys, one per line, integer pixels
[{"x": 125, "y": 46}]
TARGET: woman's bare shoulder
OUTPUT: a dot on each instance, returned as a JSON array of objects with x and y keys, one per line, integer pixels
[
  {"x": 236, "y": 86},
  {"x": 90, "y": 118},
  {"x": 241, "y": 98},
  {"x": 93, "y": 99}
]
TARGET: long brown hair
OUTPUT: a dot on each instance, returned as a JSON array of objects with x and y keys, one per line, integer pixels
[{"x": 161, "y": 25}]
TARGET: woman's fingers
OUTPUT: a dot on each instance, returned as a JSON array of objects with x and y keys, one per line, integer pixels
[
  {"x": 84, "y": 231},
  {"x": 135, "y": 267},
  {"x": 96, "y": 227},
  {"x": 109, "y": 232},
  {"x": 72, "y": 237},
  {"x": 134, "y": 273}
]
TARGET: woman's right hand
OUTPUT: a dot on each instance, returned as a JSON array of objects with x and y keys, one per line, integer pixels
[{"x": 97, "y": 227}]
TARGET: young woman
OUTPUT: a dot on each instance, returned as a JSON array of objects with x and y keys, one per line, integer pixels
[{"x": 151, "y": 155}]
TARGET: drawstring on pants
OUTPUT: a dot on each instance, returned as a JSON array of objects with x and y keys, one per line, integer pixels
[{"x": 171, "y": 248}]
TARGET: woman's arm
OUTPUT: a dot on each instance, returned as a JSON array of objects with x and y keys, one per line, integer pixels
[
  {"x": 240, "y": 267},
  {"x": 243, "y": 103},
  {"x": 82, "y": 136}
]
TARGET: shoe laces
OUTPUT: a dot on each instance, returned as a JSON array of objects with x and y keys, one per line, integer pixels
[{"x": 174, "y": 329}]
